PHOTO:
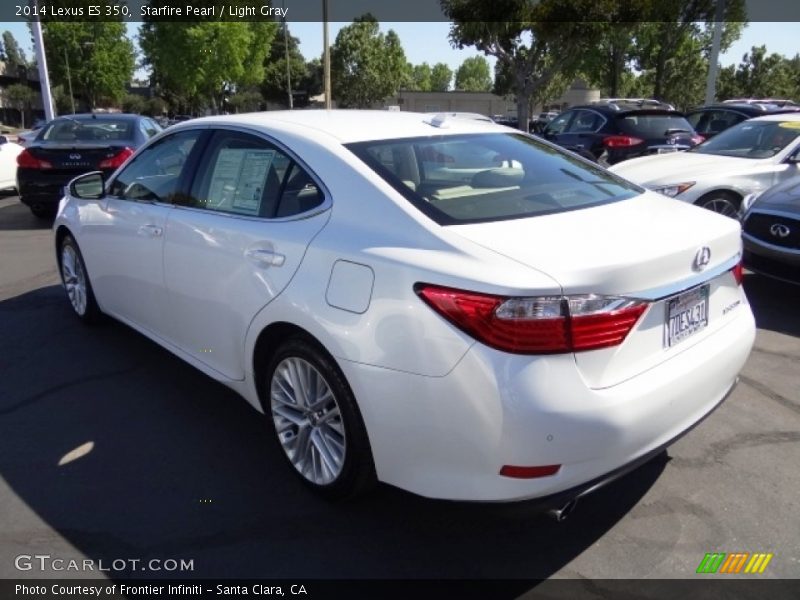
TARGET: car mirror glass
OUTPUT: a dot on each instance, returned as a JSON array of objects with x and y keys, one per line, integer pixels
[{"x": 88, "y": 186}]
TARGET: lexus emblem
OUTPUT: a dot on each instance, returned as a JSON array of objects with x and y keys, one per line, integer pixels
[
  {"x": 702, "y": 258},
  {"x": 779, "y": 230},
  {"x": 74, "y": 156}
]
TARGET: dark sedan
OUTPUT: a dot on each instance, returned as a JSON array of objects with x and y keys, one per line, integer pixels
[
  {"x": 71, "y": 145},
  {"x": 771, "y": 232}
]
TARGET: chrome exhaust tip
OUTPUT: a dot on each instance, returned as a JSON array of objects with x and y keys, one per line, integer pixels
[{"x": 561, "y": 514}]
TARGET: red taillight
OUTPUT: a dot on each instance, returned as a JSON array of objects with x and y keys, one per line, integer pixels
[
  {"x": 738, "y": 273},
  {"x": 698, "y": 139},
  {"x": 621, "y": 141},
  {"x": 538, "y": 325},
  {"x": 26, "y": 160},
  {"x": 116, "y": 160},
  {"x": 529, "y": 472}
]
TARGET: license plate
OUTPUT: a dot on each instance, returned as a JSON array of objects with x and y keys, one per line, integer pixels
[
  {"x": 667, "y": 150},
  {"x": 687, "y": 313}
]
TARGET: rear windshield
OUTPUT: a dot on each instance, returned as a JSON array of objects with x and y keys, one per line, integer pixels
[
  {"x": 71, "y": 129},
  {"x": 654, "y": 126},
  {"x": 490, "y": 177},
  {"x": 752, "y": 139}
]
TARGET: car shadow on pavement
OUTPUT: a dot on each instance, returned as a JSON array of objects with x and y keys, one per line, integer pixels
[
  {"x": 18, "y": 217},
  {"x": 127, "y": 452},
  {"x": 775, "y": 304}
]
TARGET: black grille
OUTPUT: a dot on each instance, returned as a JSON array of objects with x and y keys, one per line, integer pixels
[{"x": 763, "y": 227}]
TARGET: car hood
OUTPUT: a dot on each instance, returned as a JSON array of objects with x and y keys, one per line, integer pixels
[
  {"x": 682, "y": 166},
  {"x": 636, "y": 245},
  {"x": 784, "y": 196}
]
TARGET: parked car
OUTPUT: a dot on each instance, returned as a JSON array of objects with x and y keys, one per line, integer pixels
[
  {"x": 448, "y": 326},
  {"x": 615, "y": 132},
  {"x": 771, "y": 231},
  {"x": 8, "y": 163},
  {"x": 70, "y": 145},
  {"x": 749, "y": 157},
  {"x": 712, "y": 119}
]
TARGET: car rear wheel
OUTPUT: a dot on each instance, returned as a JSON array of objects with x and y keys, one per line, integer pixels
[
  {"x": 724, "y": 203},
  {"x": 76, "y": 281},
  {"x": 316, "y": 421}
]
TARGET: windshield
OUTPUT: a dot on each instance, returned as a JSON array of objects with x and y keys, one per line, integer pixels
[
  {"x": 489, "y": 177},
  {"x": 77, "y": 129},
  {"x": 654, "y": 125},
  {"x": 752, "y": 139}
]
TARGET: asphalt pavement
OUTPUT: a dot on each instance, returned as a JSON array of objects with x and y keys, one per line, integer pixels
[{"x": 112, "y": 448}]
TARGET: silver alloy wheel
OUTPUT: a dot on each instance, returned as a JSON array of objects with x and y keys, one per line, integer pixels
[
  {"x": 723, "y": 206},
  {"x": 308, "y": 420},
  {"x": 74, "y": 279}
]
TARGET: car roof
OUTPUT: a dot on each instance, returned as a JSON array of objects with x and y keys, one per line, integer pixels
[
  {"x": 624, "y": 109},
  {"x": 97, "y": 116},
  {"x": 750, "y": 109},
  {"x": 349, "y": 126}
]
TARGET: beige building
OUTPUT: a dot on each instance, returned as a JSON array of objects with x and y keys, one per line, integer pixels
[{"x": 484, "y": 103}]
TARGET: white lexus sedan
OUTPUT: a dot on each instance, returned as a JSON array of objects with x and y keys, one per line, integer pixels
[
  {"x": 442, "y": 304},
  {"x": 748, "y": 158}
]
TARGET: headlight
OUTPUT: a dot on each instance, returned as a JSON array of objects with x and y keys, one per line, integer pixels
[
  {"x": 747, "y": 202},
  {"x": 673, "y": 189}
]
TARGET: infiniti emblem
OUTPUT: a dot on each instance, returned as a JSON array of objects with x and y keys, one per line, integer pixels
[
  {"x": 779, "y": 230},
  {"x": 702, "y": 258},
  {"x": 74, "y": 156}
]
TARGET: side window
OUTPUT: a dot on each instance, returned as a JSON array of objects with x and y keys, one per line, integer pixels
[
  {"x": 585, "y": 121},
  {"x": 246, "y": 175},
  {"x": 154, "y": 174},
  {"x": 148, "y": 128},
  {"x": 559, "y": 124}
]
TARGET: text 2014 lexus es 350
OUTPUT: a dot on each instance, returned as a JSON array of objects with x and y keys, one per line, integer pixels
[{"x": 442, "y": 304}]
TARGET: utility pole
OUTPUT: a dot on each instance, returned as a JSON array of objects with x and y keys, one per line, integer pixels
[
  {"x": 326, "y": 61},
  {"x": 41, "y": 61},
  {"x": 288, "y": 67},
  {"x": 716, "y": 40},
  {"x": 69, "y": 81}
]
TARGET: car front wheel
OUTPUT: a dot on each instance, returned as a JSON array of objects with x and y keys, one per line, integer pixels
[
  {"x": 724, "y": 203},
  {"x": 76, "y": 281},
  {"x": 316, "y": 421}
]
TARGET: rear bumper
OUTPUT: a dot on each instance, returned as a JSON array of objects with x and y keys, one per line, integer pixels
[{"x": 448, "y": 437}]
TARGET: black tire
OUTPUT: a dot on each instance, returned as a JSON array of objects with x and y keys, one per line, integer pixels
[
  {"x": 73, "y": 275},
  {"x": 722, "y": 202},
  {"x": 356, "y": 473}
]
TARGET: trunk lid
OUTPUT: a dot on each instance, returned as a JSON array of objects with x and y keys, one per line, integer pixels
[
  {"x": 75, "y": 157},
  {"x": 645, "y": 247}
]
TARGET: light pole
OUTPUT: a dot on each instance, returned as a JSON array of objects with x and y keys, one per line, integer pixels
[
  {"x": 286, "y": 54},
  {"x": 326, "y": 56},
  {"x": 69, "y": 81}
]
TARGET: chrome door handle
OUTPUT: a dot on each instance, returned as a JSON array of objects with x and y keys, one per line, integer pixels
[
  {"x": 151, "y": 230},
  {"x": 264, "y": 257}
]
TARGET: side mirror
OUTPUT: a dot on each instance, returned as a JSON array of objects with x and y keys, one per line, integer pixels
[
  {"x": 794, "y": 157},
  {"x": 89, "y": 186}
]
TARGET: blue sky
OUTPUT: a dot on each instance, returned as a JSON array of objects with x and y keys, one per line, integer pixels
[{"x": 427, "y": 42}]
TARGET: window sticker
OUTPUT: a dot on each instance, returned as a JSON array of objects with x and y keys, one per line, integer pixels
[{"x": 238, "y": 180}]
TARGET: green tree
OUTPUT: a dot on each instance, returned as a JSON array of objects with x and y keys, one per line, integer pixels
[
  {"x": 101, "y": 58},
  {"x": 197, "y": 64},
  {"x": 441, "y": 76},
  {"x": 155, "y": 107},
  {"x": 760, "y": 75},
  {"x": 474, "y": 75},
  {"x": 133, "y": 103},
  {"x": 274, "y": 86},
  {"x": 245, "y": 101},
  {"x": 535, "y": 41},
  {"x": 12, "y": 54},
  {"x": 312, "y": 82},
  {"x": 366, "y": 65},
  {"x": 21, "y": 97},
  {"x": 421, "y": 78}
]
